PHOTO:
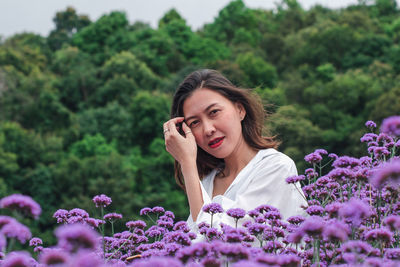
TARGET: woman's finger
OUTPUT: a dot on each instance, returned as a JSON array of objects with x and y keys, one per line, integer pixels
[
  {"x": 186, "y": 129},
  {"x": 172, "y": 125}
]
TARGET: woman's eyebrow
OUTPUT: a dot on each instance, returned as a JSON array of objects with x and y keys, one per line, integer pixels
[{"x": 206, "y": 109}]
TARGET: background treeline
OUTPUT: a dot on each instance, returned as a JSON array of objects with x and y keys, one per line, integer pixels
[{"x": 81, "y": 110}]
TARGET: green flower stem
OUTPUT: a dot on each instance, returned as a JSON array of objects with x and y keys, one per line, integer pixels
[
  {"x": 10, "y": 245},
  {"x": 102, "y": 232},
  {"x": 300, "y": 192},
  {"x": 378, "y": 211},
  {"x": 316, "y": 252},
  {"x": 119, "y": 247}
]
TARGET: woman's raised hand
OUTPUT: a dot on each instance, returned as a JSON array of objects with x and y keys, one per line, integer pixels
[{"x": 182, "y": 148}]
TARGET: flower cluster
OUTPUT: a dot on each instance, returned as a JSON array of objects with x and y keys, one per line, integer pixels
[
  {"x": 352, "y": 219},
  {"x": 21, "y": 203}
]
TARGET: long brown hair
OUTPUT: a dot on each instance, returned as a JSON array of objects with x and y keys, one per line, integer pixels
[{"x": 252, "y": 124}]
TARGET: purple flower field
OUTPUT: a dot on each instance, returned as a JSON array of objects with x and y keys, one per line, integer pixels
[{"x": 353, "y": 220}]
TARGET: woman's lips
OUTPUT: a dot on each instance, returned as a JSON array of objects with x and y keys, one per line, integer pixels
[{"x": 216, "y": 142}]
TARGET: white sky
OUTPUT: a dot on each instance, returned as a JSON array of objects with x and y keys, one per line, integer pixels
[{"x": 36, "y": 16}]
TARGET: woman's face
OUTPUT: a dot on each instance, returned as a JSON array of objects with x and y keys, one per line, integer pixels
[{"x": 215, "y": 122}]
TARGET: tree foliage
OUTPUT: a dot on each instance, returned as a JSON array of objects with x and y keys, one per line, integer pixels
[{"x": 81, "y": 110}]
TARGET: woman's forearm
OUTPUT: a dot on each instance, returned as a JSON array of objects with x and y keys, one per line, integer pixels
[{"x": 193, "y": 189}]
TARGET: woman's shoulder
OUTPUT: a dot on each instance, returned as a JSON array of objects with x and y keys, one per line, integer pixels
[
  {"x": 209, "y": 177},
  {"x": 271, "y": 156}
]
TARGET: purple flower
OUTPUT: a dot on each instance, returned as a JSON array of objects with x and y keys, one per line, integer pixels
[
  {"x": 379, "y": 234},
  {"x": 313, "y": 226},
  {"x": 213, "y": 233},
  {"x": 295, "y": 179},
  {"x": 169, "y": 214},
  {"x": 311, "y": 173},
  {"x": 371, "y": 149},
  {"x": 253, "y": 213},
  {"x": 5, "y": 219},
  {"x": 136, "y": 224},
  {"x": 145, "y": 211},
  {"x": 155, "y": 261},
  {"x": 61, "y": 215},
  {"x": 388, "y": 173},
  {"x": 234, "y": 252},
  {"x": 256, "y": 228},
  {"x": 95, "y": 223},
  {"x": 381, "y": 151},
  {"x": 265, "y": 208},
  {"x": 102, "y": 201},
  {"x": 368, "y": 137},
  {"x": 112, "y": 216},
  {"x": 333, "y": 156},
  {"x": 336, "y": 231},
  {"x": 345, "y": 161},
  {"x": 21, "y": 203},
  {"x": 178, "y": 237},
  {"x": 295, "y": 237},
  {"x": 321, "y": 151},
  {"x": 359, "y": 247},
  {"x": 355, "y": 211},
  {"x": 248, "y": 263},
  {"x": 392, "y": 254},
  {"x": 393, "y": 222},
  {"x": 313, "y": 158},
  {"x": 53, "y": 257},
  {"x": 296, "y": 220},
  {"x": 203, "y": 226},
  {"x": 272, "y": 246},
  {"x": 182, "y": 226},
  {"x": 78, "y": 213},
  {"x": 233, "y": 235},
  {"x": 260, "y": 219},
  {"x": 397, "y": 144},
  {"x": 38, "y": 249},
  {"x": 18, "y": 259},
  {"x": 384, "y": 138},
  {"x": 315, "y": 210},
  {"x": 16, "y": 230},
  {"x": 165, "y": 222},
  {"x": 157, "y": 209},
  {"x": 289, "y": 260},
  {"x": 372, "y": 144},
  {"x": 236, "y": 213},
  {"x": 370, "y": 124},
  {"x": 155, "y": 231},
  {"x": 35, "y": 242},
  {"x": 333, "y": 209},
  {"x": 391, "y": 126},
  {"x": 268, "y": 260},
  {"x": 272, "y": 215},
  {"x": 86, "y": 258},
  {"x": 213, "y": 208},
  {"x": 76, "y": 236},
  {"x": 341, "y": 174}
]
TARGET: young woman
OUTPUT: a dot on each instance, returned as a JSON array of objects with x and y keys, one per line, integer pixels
[{"x": 215, "y": 136}]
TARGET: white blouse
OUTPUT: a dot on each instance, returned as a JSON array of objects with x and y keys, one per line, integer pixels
[{"x": 261, "y": 181}]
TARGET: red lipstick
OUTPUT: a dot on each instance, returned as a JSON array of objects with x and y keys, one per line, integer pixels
[{"x": 216, "y": 142}]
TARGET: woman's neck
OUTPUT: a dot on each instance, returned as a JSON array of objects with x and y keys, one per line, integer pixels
[{"x": 239, "y": 158}]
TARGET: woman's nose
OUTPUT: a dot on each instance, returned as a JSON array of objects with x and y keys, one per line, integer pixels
[{"x": 208, "y": 128}]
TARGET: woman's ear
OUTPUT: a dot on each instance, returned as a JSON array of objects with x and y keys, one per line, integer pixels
[{"x": 241, "y": 110}]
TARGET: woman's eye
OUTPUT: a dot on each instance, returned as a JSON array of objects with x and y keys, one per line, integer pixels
[
  {"x": 193, "y": 124},
  {"x": 214, "y": 111}
]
